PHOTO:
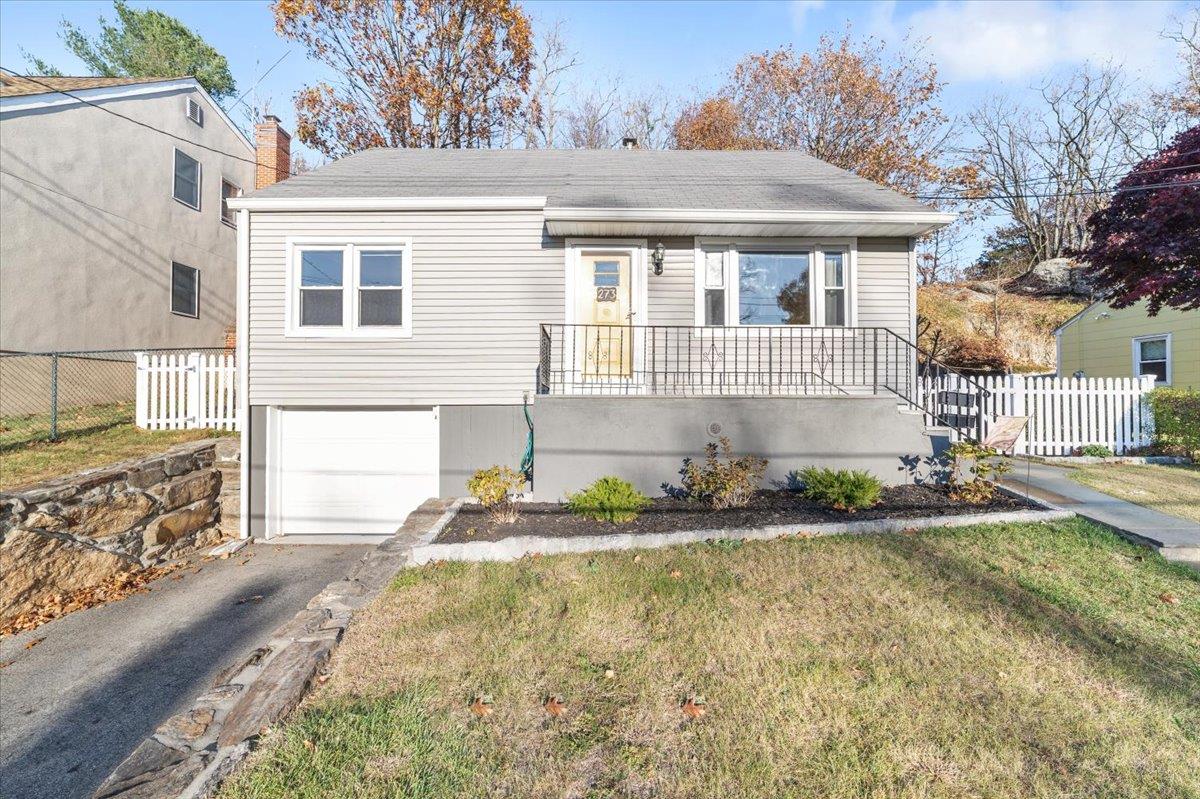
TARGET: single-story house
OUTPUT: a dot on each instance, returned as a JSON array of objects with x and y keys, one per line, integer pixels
[
  {"x": 409, "y": 316},
  {"x": 1102, "y": 341}
]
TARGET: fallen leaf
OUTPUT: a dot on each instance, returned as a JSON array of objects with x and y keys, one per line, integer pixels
[
  {"x": 609, "y": 674},
  {"x": 245, "y": 599},
  {"x": 555, "y": 706},
  {"x": 323, "y": 678},
  {"x": 694, "y": 707},
  {"x": 309, "y": 745},
  {"x": 637, "y": 558},
  {"x": 482, "y": 705},
  {"x": 1170, "y": 599},
  {"x": 676, "y": 573},
  {"x": 35, "y": 642}
]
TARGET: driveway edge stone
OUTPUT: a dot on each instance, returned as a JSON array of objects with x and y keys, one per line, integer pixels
[{"x": 190, "y": 754}]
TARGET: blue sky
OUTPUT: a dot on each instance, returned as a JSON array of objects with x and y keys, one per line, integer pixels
[{"x": 686, "y": 48}]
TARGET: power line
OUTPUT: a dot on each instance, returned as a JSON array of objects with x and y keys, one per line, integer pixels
[
  {"x": 145, "y": 125},
  {"x": 261, "y": 78}
]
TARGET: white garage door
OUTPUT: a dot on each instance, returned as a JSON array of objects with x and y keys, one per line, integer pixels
[{"x": 354, "y": 472}]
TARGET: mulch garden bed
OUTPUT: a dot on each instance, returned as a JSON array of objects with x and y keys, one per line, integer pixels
[{"x": 669, "y": 515}]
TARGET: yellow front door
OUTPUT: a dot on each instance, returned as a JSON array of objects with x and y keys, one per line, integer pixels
[{"x": 604, "y": 304}]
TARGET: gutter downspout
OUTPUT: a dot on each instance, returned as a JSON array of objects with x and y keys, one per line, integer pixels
[{"x": 243, "y": 367}]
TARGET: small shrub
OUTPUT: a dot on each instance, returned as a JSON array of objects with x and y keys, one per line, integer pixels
[
  {"x": 494, "y": 487},
  {"x": 844, "y": 489},
  {"x": 987, "y": 464},
  {"x": 609, "y": 499},
  {"x": 1096, "y": 451},
  {"x": 727, "y": 484},
  {"x": 1176, "y": 420}
]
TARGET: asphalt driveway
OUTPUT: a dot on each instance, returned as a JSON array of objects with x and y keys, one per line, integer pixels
[{"x": 98, "y": 681}]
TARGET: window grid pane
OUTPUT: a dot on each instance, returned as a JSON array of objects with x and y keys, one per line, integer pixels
[
  {"x": 774, "y": 288},
  {"x": 185, "y": 282},
  {"x": 321, "y": 268},
  {"x": 714, "y": 306},
  {"x": 380, "y": 307},
  {"x": 834, "y": 271},
  {"x": 714, "y": 270},
  {"x": 320, "y": 307},
  {"x": 380, "y": 268},
  {"x": 835, "y": 307},
  {"x": 1154, "y": 349},
  {"x": 187, "y": 179}
]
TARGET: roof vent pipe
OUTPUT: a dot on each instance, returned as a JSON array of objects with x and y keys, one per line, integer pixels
[{"x": 629, "y": 143}]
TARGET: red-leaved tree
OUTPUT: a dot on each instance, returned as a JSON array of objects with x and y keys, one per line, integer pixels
[{"x": 1145, "y": 245}]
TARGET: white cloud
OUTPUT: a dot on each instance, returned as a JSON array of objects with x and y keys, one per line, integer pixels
[
  {"x": 801, "y": 9},
  {"x": 977, "y": 40}
]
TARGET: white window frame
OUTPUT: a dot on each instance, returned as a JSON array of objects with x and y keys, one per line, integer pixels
[
  {"x": 196, "y": 294},
  {"x": 1136, "y": 346},
  {"x": 350, "y": 328},
  {"x": 176, "y": 152},
  {"x": 816, "y": 249},
  {"x": 188, "y": 105},
  {"x": 231, "y": 219}
]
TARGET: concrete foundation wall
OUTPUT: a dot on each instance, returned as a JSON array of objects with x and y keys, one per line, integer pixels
[
  {"x": 475, "y": 437},
  {"x": 645, "y": 439}
]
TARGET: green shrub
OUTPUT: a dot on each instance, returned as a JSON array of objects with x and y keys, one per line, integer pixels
[
  {"x": 728, "y": 484},
  {"x": 1176, "y": 420},
  {"x": 1096, "y": 451},
  {"x": 609, "y": 499},
  {"x": 844, "y": 489},
  {"x": 987, "y": 464},
  {"x": 493, "y": 487}
]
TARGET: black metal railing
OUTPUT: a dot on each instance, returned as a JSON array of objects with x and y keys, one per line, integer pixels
[{"x": 664, "y": 360}]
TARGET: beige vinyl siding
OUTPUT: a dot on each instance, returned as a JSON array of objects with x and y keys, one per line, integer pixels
[
  {"x": 1103, "y": 346},
  {"x": 671, "y": 296},
  {"x": 885, "y": 285},
  {"x": 481, "y": 283}
]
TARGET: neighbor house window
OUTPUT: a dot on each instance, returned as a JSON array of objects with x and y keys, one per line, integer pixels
[
  {"x": 754, "y": 283},
  {"x": 187, "y": 180},
  {"x": 1152, "y": 356},
  {"x": 228, "y": 215},
  {"x": 357, "y": 289},
  {"x": 185, "y": 290}
]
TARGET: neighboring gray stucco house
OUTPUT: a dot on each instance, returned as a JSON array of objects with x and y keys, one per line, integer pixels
[
  {"x": 114, "y": 233},
  {"x": 400, "y": 310}
]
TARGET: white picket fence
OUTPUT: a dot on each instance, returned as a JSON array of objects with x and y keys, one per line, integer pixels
[
  {"x": 177, "y": 391},
  {"x": 1064, "y": 412}
]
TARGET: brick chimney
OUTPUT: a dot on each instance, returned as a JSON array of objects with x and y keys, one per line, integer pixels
[{"x": 273, "y": 148}]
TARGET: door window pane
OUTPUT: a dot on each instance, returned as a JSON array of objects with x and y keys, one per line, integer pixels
[
  {"x": 321, "y": 268},
  {"x": 773, "y": 288},
  {"x": 378, "y": 268},
  {"x": 380, "y": 307},
  {"x": 606, "y": 273},
  {"x": 320, "y": 308}
]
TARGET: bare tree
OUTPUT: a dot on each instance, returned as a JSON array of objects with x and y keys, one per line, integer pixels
[
  {"x": 647, "y": 117},
  {"x": 1049, "y": 168},
  {"x": 545, "y": 116},
  {"x": 590, "y": 123}
]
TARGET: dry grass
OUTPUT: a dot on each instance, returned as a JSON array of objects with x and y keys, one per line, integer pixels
[
  {"x": 1026, "y": 323},
  {"x": 40, "y": 460},
  {"x": 999, "y": 661},
  {"x": 1169, "y": 489}
]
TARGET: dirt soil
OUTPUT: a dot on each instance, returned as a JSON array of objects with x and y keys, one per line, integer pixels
[{"x": 669, "y": 515}]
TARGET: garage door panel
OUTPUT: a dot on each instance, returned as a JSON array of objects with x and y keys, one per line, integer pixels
[{"x": 357, "y": 472}]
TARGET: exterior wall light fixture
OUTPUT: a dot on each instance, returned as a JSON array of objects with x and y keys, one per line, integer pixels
[{"x": 656, "y": 258}]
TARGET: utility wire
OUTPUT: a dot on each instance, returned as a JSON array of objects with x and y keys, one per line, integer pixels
[
  {"x": 261, "y": 78},
  {"x": 141, "y": 124}
]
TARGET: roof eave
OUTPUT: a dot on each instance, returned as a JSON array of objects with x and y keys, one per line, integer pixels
[
  {"x": 253, "y": 203},
  {"x": 741, "y": 222}
]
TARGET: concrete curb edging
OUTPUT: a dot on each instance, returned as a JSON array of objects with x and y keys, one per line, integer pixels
[
  {"x": 520, "y": 546},
  {"x": 191, "y": 753}
]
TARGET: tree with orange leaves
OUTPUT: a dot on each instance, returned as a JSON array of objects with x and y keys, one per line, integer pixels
[
  {"x": 412, "y": 73},
  {"x": 850, "y": 104}
]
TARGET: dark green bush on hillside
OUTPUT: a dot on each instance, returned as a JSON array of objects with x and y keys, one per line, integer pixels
[
  {"x": 1176, "y": 420},
  {"x": 609, "y": 499},
  {"x": 844, "y": 489}
]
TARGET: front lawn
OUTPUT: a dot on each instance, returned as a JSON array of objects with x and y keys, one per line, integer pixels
[
  {"x": 1170, "y": 489},
  {"x": 32, "y": 461},
  {"x": 1000, "y": 660}
]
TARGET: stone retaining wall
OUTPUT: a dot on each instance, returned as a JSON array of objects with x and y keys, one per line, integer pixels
[{"x": 80, "y": 531}]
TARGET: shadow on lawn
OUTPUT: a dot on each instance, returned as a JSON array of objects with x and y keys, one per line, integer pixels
[{"x": 1109, "y": 646}]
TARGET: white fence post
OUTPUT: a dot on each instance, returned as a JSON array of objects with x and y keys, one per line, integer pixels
[
  {"x": 193, "y": 377},
  {"x": 141, "y": 387}
]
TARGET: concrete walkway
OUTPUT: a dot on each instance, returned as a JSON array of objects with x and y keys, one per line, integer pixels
[
  {"x": 1174, "y": 537},
  {"x": 98, "y": 681}
]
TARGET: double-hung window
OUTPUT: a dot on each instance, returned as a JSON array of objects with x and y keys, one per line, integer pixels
[
  {"x": 186, "y": 185},
  {"x": 360, "y": 288},
  {"x": 1152, "y": 356},
  {"x": 773, "y": 283},
  {"x": 228, "y": 190},
  {"x": 185, "y": 290}
]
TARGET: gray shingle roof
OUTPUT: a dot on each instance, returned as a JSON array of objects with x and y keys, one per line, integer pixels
[{"x": 758, "y": 180}]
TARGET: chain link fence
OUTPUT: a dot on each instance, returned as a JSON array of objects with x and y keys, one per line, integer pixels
[{"x": 46, "y": 396}]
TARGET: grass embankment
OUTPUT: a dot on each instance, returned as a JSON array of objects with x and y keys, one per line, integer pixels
[{"x": 1002, "y": 661}]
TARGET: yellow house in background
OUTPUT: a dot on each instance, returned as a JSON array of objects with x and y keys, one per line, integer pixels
[{"x": 1102, "y": 341}]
